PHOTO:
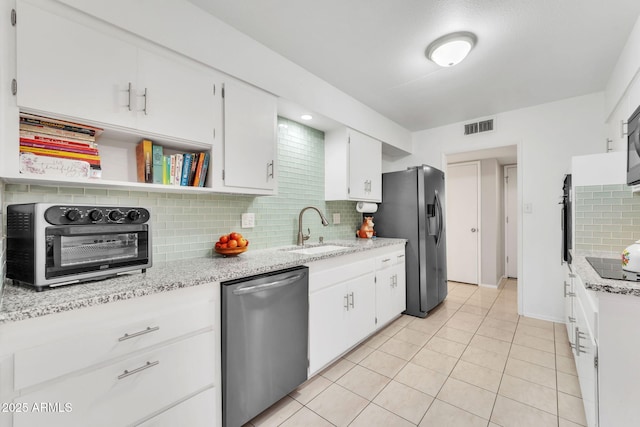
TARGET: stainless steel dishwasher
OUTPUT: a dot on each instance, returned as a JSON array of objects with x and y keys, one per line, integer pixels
[{"x": 265, "y": 323}]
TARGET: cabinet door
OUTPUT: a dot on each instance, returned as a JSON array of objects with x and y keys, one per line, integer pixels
[
  {"x": 67, "y": 68},
  {"x": 327, "y": 325},
  {"x": 250, "y": 116},
  {"x": 365, "y": 167},
  {"x": 385, "y": 295},
  {"x": 586, "y": 352},
  {"x": 178, "y": 98},
  {"x": 362, "y": 307},
  {"x": 400, "y": 290}
]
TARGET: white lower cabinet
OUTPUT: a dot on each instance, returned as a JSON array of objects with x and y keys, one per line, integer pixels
[
  {"x": 391, "y": 290},
  {"x": 116, "y": 364},
  {"x": 125, "y": 391},
  {"x": 344, "y": 301}
]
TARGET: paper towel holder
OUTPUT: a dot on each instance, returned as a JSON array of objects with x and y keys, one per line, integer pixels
[{"x": 366, "y": 207}]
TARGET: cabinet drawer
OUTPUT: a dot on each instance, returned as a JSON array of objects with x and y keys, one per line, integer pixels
[
  {"x": 128, "y": 390},
  {"x": 197, "y": 411},
  {"x": 385, "y": 261},
  {"x": 134, "y": 332},
  {"x": 394, "y": 258},
  {"x": 322, "y": 278}
]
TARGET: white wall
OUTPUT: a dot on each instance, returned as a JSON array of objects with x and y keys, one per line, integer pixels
[
  {"x": 183, "y": 27},
  {"x": 492, "y": 214},
  {"x": 547, "y": 136}
]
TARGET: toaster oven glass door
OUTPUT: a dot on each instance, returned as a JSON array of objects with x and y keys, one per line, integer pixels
[{"x": 72, "y": 250}]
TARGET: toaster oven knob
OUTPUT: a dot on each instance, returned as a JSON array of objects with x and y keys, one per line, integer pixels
[
  {"x": 115, "y": 215},
  {"x": 73, "y": 215},
  {"x": 95, "y": 215},
  {"x": 133, "y": 215}
]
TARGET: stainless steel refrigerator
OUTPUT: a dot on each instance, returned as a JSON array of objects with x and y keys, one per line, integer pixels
[{"x": 413, "y": 208}]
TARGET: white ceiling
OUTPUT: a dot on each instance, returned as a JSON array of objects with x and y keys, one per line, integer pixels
[{"x": 528, "y": 51}]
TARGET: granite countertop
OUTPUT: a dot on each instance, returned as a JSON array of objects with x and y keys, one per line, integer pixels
[
  {"x": 594, "y": 282},
  {"x": 19, "y": 303}
]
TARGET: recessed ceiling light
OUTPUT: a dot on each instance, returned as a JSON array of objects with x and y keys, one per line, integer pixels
[
  {"x": 306, "y": 117},
  {"x": 449, "y": 50}
]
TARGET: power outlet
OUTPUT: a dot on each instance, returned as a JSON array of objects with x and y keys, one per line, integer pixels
[
  {"x": 336, "y": 218},
  {"x": 248, "y": 220}
]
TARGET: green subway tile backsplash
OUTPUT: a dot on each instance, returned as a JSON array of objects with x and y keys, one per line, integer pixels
[
  {"x": 187, "y": 225},
  {"x": 607, "y": 217}
]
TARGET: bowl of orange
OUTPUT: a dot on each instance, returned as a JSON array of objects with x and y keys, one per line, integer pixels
[{"x": 231, "y": 244}]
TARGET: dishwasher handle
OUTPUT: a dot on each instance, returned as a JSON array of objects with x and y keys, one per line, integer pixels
[{"x": 275, "y": 284}]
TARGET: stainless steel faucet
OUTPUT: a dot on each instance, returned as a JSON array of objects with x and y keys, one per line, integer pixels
[{"x": 302, "y": 237}]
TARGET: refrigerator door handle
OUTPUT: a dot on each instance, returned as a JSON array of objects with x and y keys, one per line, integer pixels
[{"x": 440, "y": 219}]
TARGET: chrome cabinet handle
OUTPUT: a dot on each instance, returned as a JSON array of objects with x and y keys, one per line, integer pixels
[
  {"x": 145, "y": 101},
  {"x": 346, "y": 302},
  {"x": 352, "y": 300},
  {"x": 571, "y": 319},
  {"x": 579, "y": 335},
  {"x": 565, "y": 288},
  {"x": 270, "y": 174},
  {"x": 129, "y": 90},
  {"x": 147, "y": 365},
  {"x": 137, "y": 334}
]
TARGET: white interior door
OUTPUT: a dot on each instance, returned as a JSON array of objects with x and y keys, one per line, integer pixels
[
  {"x": 511, "y": 220},
  {"x": 463, "y": 234}
]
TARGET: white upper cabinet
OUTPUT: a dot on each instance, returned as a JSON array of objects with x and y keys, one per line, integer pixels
[
  {"x": 178, "y": 97},
  {"x": 70, "y": 69},
  {"x": 353, "y": 166},
  {"x": 246, "y": 161},
  {"x": 79, "y": 68}
]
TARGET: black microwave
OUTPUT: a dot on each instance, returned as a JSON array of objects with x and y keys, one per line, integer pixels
[{"x": 633, "y": 148}]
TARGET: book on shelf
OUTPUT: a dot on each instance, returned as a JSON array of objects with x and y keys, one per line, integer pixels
[
  {"x": 35, "y": 120},
  {"x": 90, "y": 158},
  {"x": 203, "y": 172},
  {"x": 157, "y": 169},
  {"x": 67, "y": 140},
  {"x": 144, "y": 161},
  {"x": 61, "y": 147},
  {"x": 55, "y": 167},
  {"x": 166, "y": 169},
  {"x": 186, "y": 169},
  {"x": 27, "y": 142},
  {"x": 178, "y": 171}
]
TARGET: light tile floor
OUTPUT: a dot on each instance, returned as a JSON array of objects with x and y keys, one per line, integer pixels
[{"x": 473, "y": 361}]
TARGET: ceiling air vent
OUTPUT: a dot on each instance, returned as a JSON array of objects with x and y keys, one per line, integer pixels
[
  {"x": 470, "y": 128},
  {"x": 482, "y": 126}
]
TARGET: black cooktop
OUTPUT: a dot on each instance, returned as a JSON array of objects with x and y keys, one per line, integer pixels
[{"x": 611, "y": 268}]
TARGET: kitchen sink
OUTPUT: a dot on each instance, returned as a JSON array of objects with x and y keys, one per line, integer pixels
[{"x": 316, "y": 250}]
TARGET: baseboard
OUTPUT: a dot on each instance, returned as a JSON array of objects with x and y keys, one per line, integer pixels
[{"x": 484, "y": 285}]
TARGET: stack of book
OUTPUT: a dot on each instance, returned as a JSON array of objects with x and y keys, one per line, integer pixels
[
  {"x": 184, "y": 169},
  {"x": 52, "y": 146}
]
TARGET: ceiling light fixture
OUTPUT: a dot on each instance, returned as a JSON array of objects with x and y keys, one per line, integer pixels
[
  {"x": 450, "y": 49},
  {"x": 306, "y": 117}
]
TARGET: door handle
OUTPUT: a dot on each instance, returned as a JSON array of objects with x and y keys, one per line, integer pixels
[
  {"x": 275, "y": 284},
  {"x": 473, "y": 230}
]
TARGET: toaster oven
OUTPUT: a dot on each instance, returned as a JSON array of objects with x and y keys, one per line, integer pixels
[{"x": 52, "y": 244}]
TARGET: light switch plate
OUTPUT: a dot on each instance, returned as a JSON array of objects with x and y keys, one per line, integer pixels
[
  {"x": 248, "y": 220},
  {"x": 336, "y": 218}
]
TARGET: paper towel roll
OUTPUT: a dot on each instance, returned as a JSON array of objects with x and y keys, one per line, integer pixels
[{"x": 365, "y": 207}]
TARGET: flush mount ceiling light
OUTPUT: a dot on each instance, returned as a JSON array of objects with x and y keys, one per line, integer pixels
[
  {"x": 306, "y": 117},
  {"x": 449, "y": 50}
]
